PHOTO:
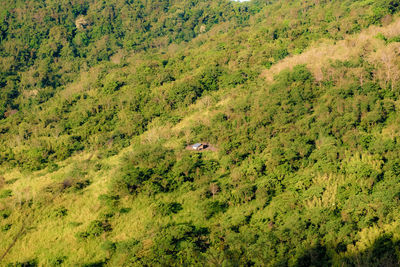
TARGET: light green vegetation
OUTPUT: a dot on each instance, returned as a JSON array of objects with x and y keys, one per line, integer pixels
[{"x": 100, "y": 99}]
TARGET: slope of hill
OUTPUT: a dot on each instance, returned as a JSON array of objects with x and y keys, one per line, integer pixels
[{"x": 298, "y": 98}]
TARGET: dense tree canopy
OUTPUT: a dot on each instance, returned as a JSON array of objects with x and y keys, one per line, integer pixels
[{"x": 101, "y": 100}]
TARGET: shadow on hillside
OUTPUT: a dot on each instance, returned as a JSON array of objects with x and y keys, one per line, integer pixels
[{"x": 383, "y": 252}]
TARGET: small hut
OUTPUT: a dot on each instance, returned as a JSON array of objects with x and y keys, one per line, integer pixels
[{"x": 198, "y": 146}]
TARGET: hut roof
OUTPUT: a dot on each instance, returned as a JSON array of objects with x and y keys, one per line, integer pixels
[{"x": 197, "y": 145}]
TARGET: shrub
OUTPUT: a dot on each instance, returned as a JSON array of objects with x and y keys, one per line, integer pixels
[
  {"x": 52, "y": 167},
  {"x": 11, "y": 181},
  {"x": 28, "y": 263},
  {"x": 243, "y": 194},
  {"x": 108, "y": 245},
  {"x": 69, "y": 185},
  {"x": 214, "y": 207},
  {"x": 112, "y": 86},
  {"x": 109, "y": 200},
  {"x": 60, "y": 212},
  {"x": 6, "y": 227},
  {"x": 57, "y": 260},
  {"x": 99, "y": 263},
  {"x": 33, "y": 159},
  {"x": 165, "y": 209},
  {"x": 5, "y": 213},
  {"x": 130, "y": 180},
  {"x": 178, "y": 244},
  {"x": 124, "y": 210},
  {"x": 5, "y": 193},
  {"x": 95, "y": 229}
]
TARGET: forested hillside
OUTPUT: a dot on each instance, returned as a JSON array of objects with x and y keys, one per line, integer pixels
[{"x": 298, "y": 101}]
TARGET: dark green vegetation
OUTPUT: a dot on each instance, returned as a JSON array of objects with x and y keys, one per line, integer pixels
[{"x": 98, "y": 101}]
